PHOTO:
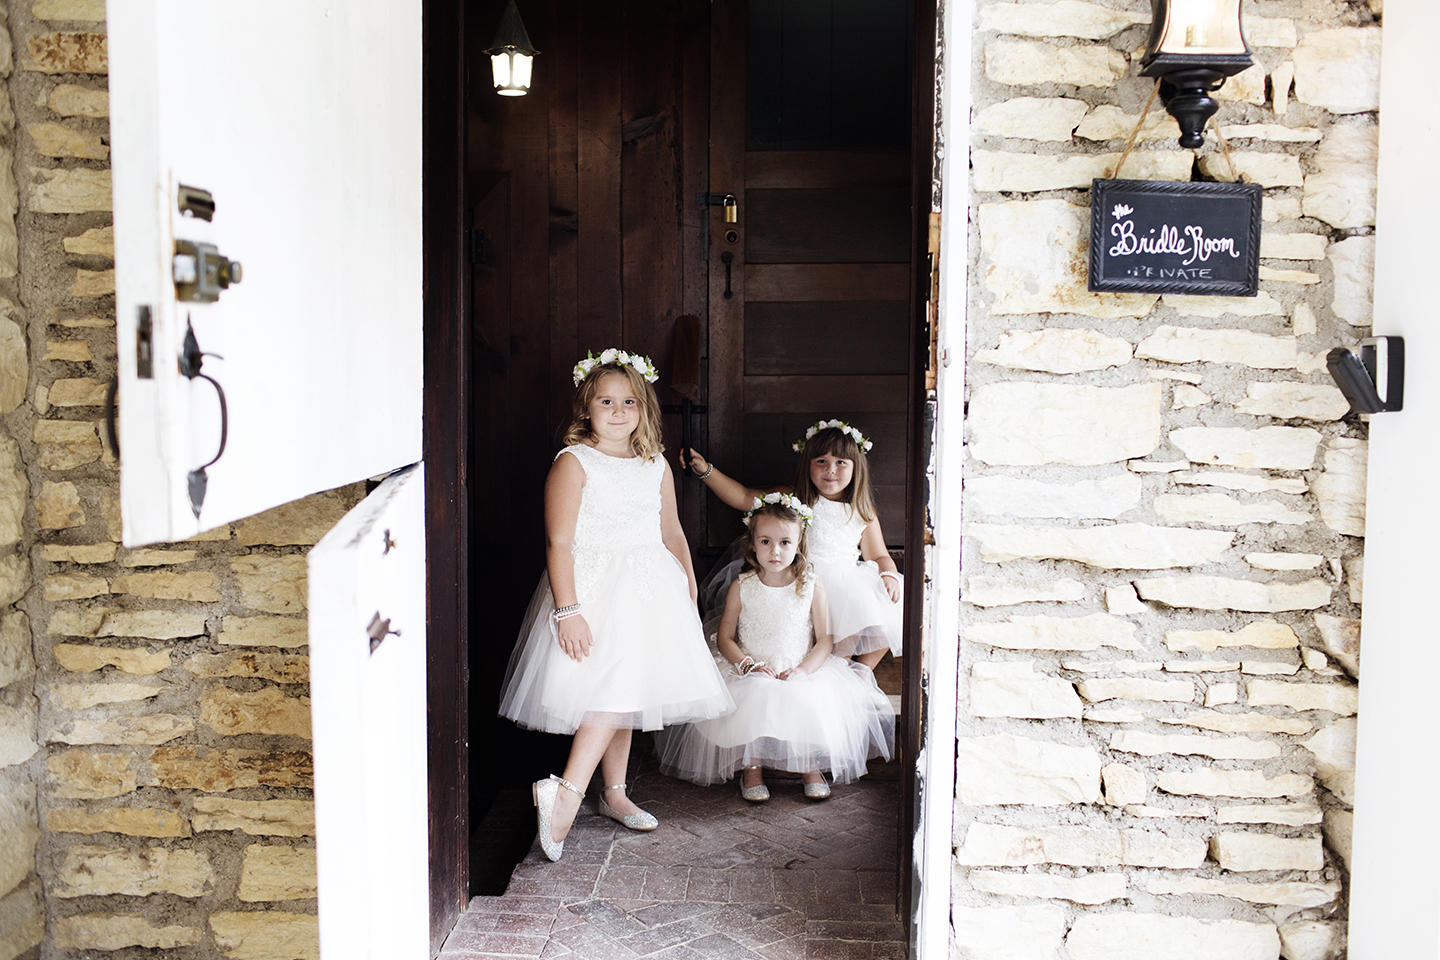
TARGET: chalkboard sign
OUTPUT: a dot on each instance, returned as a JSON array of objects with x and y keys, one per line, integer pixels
[{"x": 1163, "y": 236}]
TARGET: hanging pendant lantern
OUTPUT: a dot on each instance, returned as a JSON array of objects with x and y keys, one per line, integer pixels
[
  {"x": 1194, "y": 46},
  {"x": 512, "y": 54}
]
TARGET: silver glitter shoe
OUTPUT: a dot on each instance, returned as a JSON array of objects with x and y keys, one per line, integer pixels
[
  {"x": 756, "y": 794},
  {"x": 817, "y": 791},
  {"x": 543, "y": 792},
  {"x": 641, "y": 821}
]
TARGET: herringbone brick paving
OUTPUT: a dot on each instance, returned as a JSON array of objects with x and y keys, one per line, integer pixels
[{"x": 721, "y": 879}]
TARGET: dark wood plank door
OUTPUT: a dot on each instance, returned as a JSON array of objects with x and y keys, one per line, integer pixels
[{"x": 810, "y": 319}]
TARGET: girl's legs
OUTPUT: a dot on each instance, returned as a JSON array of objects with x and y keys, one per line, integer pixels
[
  {"x": 872, "y": 658},
  {"x": 612, "y": 770},
  {"x": 587, "y": 749}
]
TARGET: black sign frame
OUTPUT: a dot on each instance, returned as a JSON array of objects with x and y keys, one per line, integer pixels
[{"x": 1192, "y": 238}]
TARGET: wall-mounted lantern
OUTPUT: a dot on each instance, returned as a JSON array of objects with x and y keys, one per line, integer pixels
[
  {"x": 512, "y": 54},
  {"x": 1194, "y": 46}
]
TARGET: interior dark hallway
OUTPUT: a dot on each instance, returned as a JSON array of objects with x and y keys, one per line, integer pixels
[{"x": 584, "y": 232}]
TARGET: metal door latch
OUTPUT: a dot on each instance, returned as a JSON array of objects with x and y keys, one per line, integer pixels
[{"x": 201, "y": 272}]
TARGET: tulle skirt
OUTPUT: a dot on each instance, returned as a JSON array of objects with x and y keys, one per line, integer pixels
[
  {"x": 649, "y": 666},
  {"x": 862, "y": 616},
  {"x": 835, "y": 718}
]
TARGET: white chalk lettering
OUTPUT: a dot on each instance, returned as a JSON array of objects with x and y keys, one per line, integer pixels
[{"x": 1193, "y": 246}]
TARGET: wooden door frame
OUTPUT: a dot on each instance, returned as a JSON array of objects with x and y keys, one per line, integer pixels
[
  {"x": 918, "y": 452},
  {"x": 446, "y": 446}
]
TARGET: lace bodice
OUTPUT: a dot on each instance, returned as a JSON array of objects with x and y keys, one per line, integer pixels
[
  {"x": 619, "y": 512},
  {"x": 835, "y": 533},
  {"x": 774, "y": 621}
]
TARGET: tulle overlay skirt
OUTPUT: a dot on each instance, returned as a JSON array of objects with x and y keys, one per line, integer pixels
[
  {"x": 649, "y": 666},
  {"x": 862, "y": 615},
  {"x": 835, "y": 718}
]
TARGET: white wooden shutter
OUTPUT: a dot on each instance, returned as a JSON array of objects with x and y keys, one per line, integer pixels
[
  {"x": 302, "y": 119},
  {"x": 367, "y": 704}
]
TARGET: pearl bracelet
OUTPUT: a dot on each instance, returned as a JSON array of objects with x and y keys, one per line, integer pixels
[
  {"x": 890, "y": 573},
  {"x": 565, "y": 613},
  {"x": 709, "y": 470}
]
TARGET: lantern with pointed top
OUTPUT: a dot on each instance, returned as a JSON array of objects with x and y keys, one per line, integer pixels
[
  {"x": 1194, "y": 46},
  {"x": 512, "y": 54}
]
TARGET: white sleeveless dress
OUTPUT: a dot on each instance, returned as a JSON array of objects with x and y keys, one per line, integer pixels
[
  {"x": 834, "y": 718},
  {"x": 649, "y": 665},
  {"x": 862, "y": 615}
]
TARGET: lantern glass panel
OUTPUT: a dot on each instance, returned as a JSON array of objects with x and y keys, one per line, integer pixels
[
  {"x": 521, "y": 71},
  {"x": 1202, "y": 27},
  {"x": 500, "y": 67}
]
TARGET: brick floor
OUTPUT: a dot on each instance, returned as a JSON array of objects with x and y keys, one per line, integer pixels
[{"x": 721, "y": 879}]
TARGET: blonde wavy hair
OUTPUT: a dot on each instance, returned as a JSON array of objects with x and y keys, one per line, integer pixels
[
  {"x": 802, "y": 547},
  {"x": 645, "y": 441},
  {"x": 837, "y": 443}
]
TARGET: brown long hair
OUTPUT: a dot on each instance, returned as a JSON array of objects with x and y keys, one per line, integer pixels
[
  {"x": 645, "y": 441},
  {"x": 836, "y": 443},
  {"x": 783, "y": 513}
]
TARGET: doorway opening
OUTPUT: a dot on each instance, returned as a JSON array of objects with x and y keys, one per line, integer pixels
[{"x": 585, "y": 226}]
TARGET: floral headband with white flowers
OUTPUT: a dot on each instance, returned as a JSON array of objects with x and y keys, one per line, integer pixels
[
  {"x": 840, "y": 425},
  {"x": 642, "y": 365},
  {"x": 785, "y": 500}
]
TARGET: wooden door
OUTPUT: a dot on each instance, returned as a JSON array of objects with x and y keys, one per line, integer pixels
[{"x": 810, "y": 318}]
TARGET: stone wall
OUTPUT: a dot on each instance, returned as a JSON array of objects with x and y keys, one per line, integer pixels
[
  {"x": 1164, "y": 508},
  {"x": 154, "y": 719}
]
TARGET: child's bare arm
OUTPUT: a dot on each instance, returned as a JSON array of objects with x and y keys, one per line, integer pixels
[
  {"x": 824, "y": 642},
  {"x": 563, "y": 488},
  {"x": 671, "y": 533},
  {"x": 872, "y": 547},
  {"x": 731, "y": 492},
  {"x": 729, "y": 621}
]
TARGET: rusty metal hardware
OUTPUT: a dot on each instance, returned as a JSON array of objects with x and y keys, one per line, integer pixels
[
  {"x": 201, "y": 272},
  {"x": 378, "y": 630},
  {"x": 195, "y": 202}
]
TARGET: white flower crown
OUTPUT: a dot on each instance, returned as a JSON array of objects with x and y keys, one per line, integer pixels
[
  {"x": 840, "y": 425},
  {"x": 785, "y": 500},
  {"x": 642, "y": 365}
]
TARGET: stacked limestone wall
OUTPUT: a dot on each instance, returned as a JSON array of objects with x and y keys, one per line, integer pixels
[
  {"x": 1164, "y": 508},
  {"x": 154, "y": 718}
]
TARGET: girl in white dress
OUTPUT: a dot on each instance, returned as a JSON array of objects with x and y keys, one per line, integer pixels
[
  {"x": 611, "y": 641},
  {"x": 797, "y": 708},
  {"x": 846, "y": 543}
]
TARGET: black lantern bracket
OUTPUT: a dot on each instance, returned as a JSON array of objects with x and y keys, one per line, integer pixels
[{"x": 1372, "y": 376}]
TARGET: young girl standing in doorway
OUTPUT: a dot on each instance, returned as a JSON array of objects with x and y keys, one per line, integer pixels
[
  {"x": 797, "y": 707},
  {"x": 611, "y": 641},
  {"x": 846, "y": 545}
]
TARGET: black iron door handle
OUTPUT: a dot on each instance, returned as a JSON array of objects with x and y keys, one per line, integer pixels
[
  {"x": 191, "y": 358},
  {"x": 727, "y": 258}
]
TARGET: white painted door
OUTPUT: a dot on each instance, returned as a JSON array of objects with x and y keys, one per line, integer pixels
[
  {"x": 301, "y": 121},
  {"x": 1394, "y": 895},
  {"x": 367, "y": 706}
]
